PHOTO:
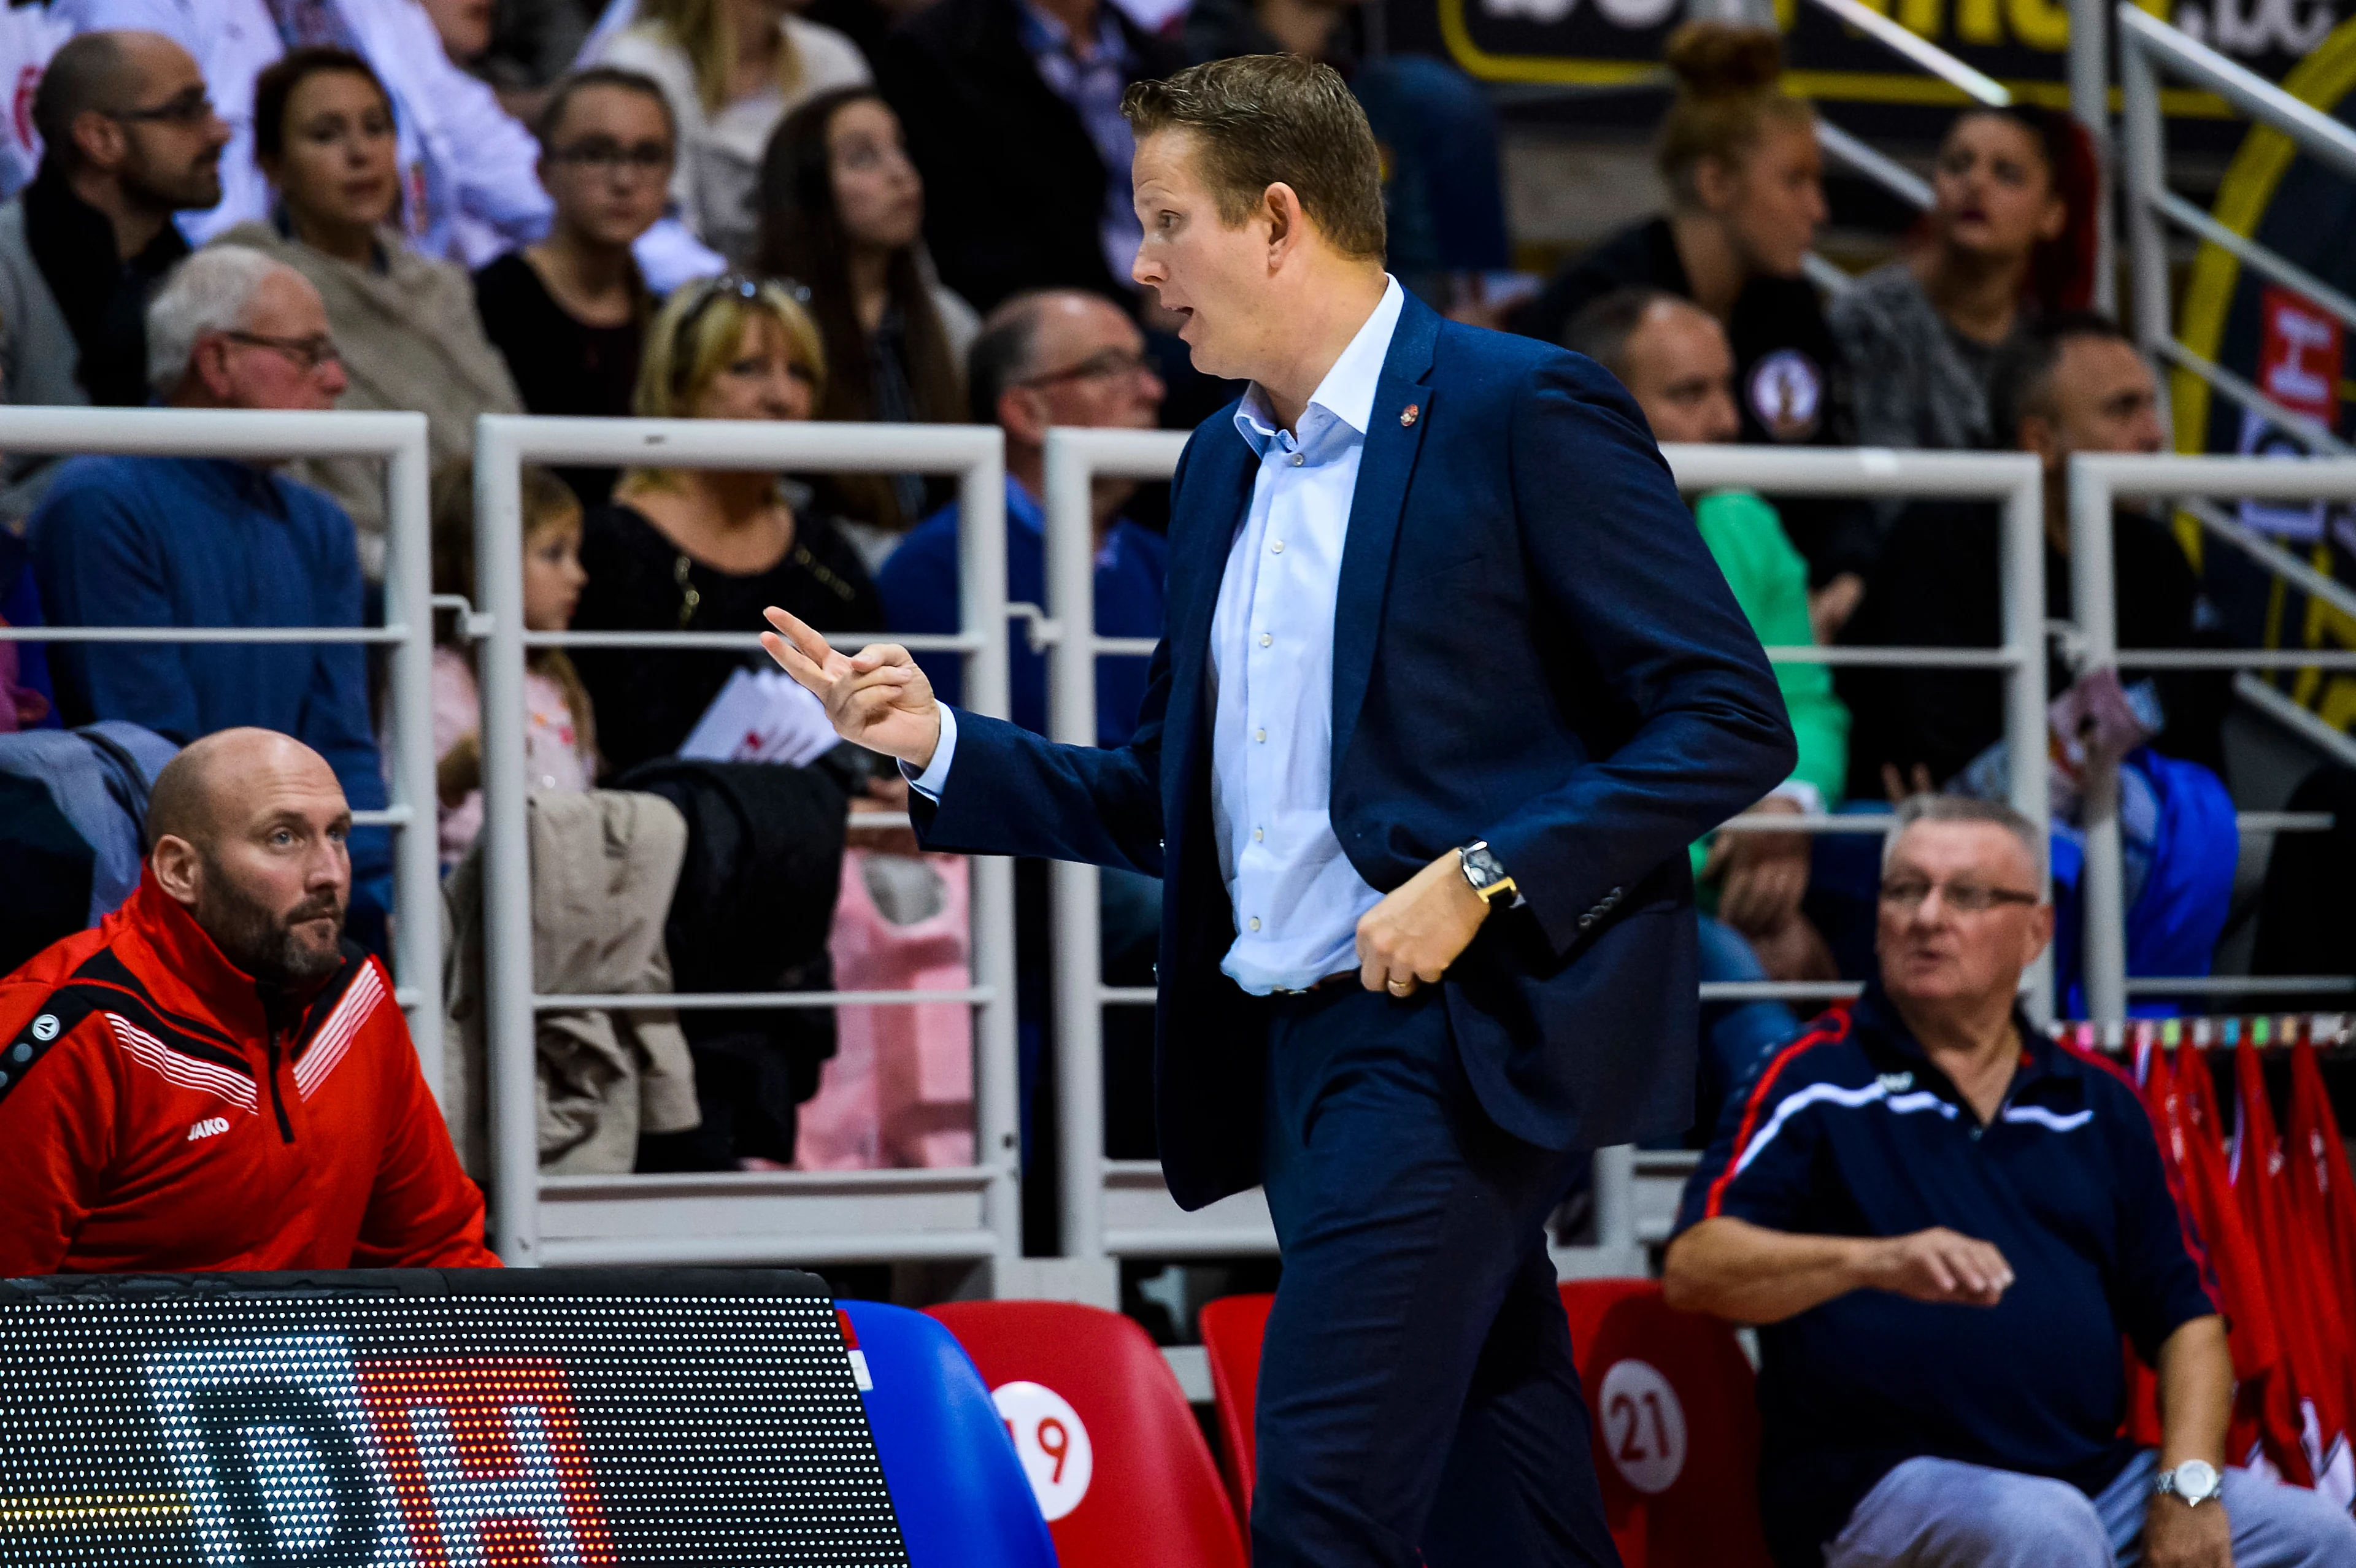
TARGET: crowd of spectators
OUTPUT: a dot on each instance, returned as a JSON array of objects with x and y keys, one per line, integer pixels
[
  {"x": 744, "y": 209},
  {"x": 757, "y": 211}
]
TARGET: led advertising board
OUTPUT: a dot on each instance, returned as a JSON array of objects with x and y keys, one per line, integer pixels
[{"x": 434, "y": 1419}]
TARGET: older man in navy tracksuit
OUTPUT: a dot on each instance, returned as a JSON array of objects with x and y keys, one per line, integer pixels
[{"x": 1448, "y": 684}]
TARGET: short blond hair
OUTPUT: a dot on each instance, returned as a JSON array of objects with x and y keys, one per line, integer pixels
[
  {"x": 1264, "y": 119},
  {"x": 696, "y": 331}
]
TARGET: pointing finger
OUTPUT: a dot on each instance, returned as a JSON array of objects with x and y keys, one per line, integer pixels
[
  {"x": 812, "y": 645},
  {"x": 795, "y": 663}
]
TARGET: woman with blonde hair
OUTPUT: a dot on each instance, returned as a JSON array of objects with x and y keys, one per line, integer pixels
[
  {"x": 698, "y": 549},
  {"x": 1746, "y": 197},
  {"x": 731, "y": 69}
]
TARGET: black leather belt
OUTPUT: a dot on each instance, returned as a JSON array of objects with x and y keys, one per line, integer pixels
[{"x": 1335, "y": 978}]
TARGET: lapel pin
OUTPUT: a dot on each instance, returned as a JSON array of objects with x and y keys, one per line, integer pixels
[{"x": 1408, "y": 414}]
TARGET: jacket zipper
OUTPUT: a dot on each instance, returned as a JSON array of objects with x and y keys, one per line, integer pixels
[{"x": 277, "y": 1100}]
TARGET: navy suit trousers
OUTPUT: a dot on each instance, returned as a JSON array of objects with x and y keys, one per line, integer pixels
[{"x": 1417, "y": 1389}]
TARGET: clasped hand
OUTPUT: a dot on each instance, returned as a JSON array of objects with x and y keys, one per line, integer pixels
[
  {"x": 1416, "y": 932},
  {"x": 877, "y": 698}
]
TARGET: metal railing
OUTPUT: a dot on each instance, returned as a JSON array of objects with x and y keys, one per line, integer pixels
[
  {"x": 408, "y": 631},
  {"x": 2147, "y": 46},
  {"x": 1112, "y": 1208},
  {"x": 735, "y": 1217},
  {"x": 2095, "y": 484}
]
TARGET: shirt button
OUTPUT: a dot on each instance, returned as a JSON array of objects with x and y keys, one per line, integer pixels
[
  {"x": 1298, "y": 459},
  {"x": 1278, "y": 547},
  {"x": 1259, "y": 834},
  {"x": 1264, "y": 640},
  {"x": 1259, "y": 735},
  {"x": 1255, "y": 923}
]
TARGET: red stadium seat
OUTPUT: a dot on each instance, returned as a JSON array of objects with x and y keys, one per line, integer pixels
[
  {"x": 1114, "y": 1455},
  {"x": 1676, "y": 1428},
  {"x": 1233, "y": 1327}
]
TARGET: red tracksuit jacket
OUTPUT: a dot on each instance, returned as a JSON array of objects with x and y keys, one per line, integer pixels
[{"x": 154, "y": 1118}]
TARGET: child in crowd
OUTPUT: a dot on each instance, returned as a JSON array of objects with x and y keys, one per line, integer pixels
[{"x": 559, "y": 733}]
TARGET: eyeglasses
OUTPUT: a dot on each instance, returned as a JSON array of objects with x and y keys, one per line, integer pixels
[
  {"x": 1101, "y": 366},
  {"x": 603, "y": 155},
  {"x": 192, "y": 106},
  {"x": 1967, "y": 897},
  {"x": 306, "y": 353}
]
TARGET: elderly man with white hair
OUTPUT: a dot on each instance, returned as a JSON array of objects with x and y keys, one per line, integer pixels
[
  {"x": 1944, "y": 1225},
  {"x": 200, "y": 541}
]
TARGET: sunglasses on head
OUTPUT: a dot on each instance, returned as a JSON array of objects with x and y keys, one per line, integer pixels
[{"x": 713, "y": 290}]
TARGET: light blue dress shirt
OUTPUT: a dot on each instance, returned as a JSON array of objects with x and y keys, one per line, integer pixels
[{"x": 1297, "y": 899}]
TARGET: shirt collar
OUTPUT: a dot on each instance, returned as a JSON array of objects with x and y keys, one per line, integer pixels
[
  {"x": 1881, "y": 1032},
  {"x": 1345, "y": 398}
]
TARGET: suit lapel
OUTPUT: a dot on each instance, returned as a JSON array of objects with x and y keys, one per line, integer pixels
[
  {"x": 1393, "y": 439},
  {"x": 1203, "y": 531}
]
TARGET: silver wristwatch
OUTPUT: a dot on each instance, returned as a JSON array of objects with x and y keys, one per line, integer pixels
[
  {"x": 1487, "y": 873},
  {"x": 2195, "y": 1480}
]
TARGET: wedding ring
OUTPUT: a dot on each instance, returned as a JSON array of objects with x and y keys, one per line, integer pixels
[{"x": 1400, "y": 987}]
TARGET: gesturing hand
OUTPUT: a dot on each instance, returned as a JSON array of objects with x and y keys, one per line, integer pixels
[
  {"x": 879, "y": 699},
  {"x": 1940, "y": 1265},
  {"x": 1421, "y": 926}
]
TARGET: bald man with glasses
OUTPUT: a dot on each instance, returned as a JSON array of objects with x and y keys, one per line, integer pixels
[{"x": 1944, "y": 1224}]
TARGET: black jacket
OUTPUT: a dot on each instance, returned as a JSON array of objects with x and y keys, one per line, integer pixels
[
  {"x": 1937, "y": 586},
  {"x": 754, "y": 904},
  {"x": 1015, "y": 191}
]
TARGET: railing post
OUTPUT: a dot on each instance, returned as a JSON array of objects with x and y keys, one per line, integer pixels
[
  {"x": 508, "y": 1026},
  {"x": 1079, "y": 942},
  {"x": 2028, "y": 783},
  {"x": 2102, "y": 883},
  {"x": 2090, "y": 105},
  {"x": 416, "y": 867},
  {"x": 981, "y": 602},
  {"x": 2143, "y": 143},
  {"x": 1615, "y": 1199}
]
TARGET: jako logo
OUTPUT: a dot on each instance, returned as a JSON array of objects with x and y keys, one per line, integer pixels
[
  {"x": 211, "y": 1127},
  {"x": 293, "y": 1452}
]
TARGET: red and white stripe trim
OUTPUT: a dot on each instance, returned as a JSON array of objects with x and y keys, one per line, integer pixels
[
  {"x": 336, "y": 1035},
  {"x": 188, "y": 1072}
]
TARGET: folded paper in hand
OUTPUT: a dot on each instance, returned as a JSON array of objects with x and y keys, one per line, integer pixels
[{"x": 762, "y": 716}]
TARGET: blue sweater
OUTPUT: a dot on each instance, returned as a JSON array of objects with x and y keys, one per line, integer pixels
[{"x": 174, "y": 541}]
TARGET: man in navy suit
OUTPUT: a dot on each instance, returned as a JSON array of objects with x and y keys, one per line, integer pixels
[{"x": 1448, "y": 684}]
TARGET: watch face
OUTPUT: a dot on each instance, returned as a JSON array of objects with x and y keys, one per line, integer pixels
[{"x": 2195, "y": 1480}]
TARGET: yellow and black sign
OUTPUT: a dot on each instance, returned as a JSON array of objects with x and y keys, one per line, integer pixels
[{"x": 2021, "y": 42}]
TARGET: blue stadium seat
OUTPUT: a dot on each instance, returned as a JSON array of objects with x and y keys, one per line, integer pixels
[{"x": 956, "y": 1482}]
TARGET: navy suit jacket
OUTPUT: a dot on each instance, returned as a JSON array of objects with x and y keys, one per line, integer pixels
[{"x": 1531, "y": 647}]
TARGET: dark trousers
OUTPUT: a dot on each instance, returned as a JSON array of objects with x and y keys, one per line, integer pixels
[{"x": 1417, "y": 1389}]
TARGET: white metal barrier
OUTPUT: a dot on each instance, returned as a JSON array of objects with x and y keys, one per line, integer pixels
[
  {"x": 732, "y": 1217},
  {"x": 2095, "y": 483},
  {"x": 1113, "y": 1208},
  {"x": 408, "y": 631},
  {"x": 2147, "y": 46}
]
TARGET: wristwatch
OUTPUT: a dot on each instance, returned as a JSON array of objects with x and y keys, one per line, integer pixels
[
  {"x": 1486, "y": 872},
  {"x": 2195, "y": 1480}
]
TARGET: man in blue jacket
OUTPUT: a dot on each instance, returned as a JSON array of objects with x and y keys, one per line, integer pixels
[
  {"x": 1448, "y": 684},
  {"x": 198, "y": 541}
]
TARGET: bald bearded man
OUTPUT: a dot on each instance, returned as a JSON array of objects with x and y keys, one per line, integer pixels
[{"x": 212, "y": 1078}]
